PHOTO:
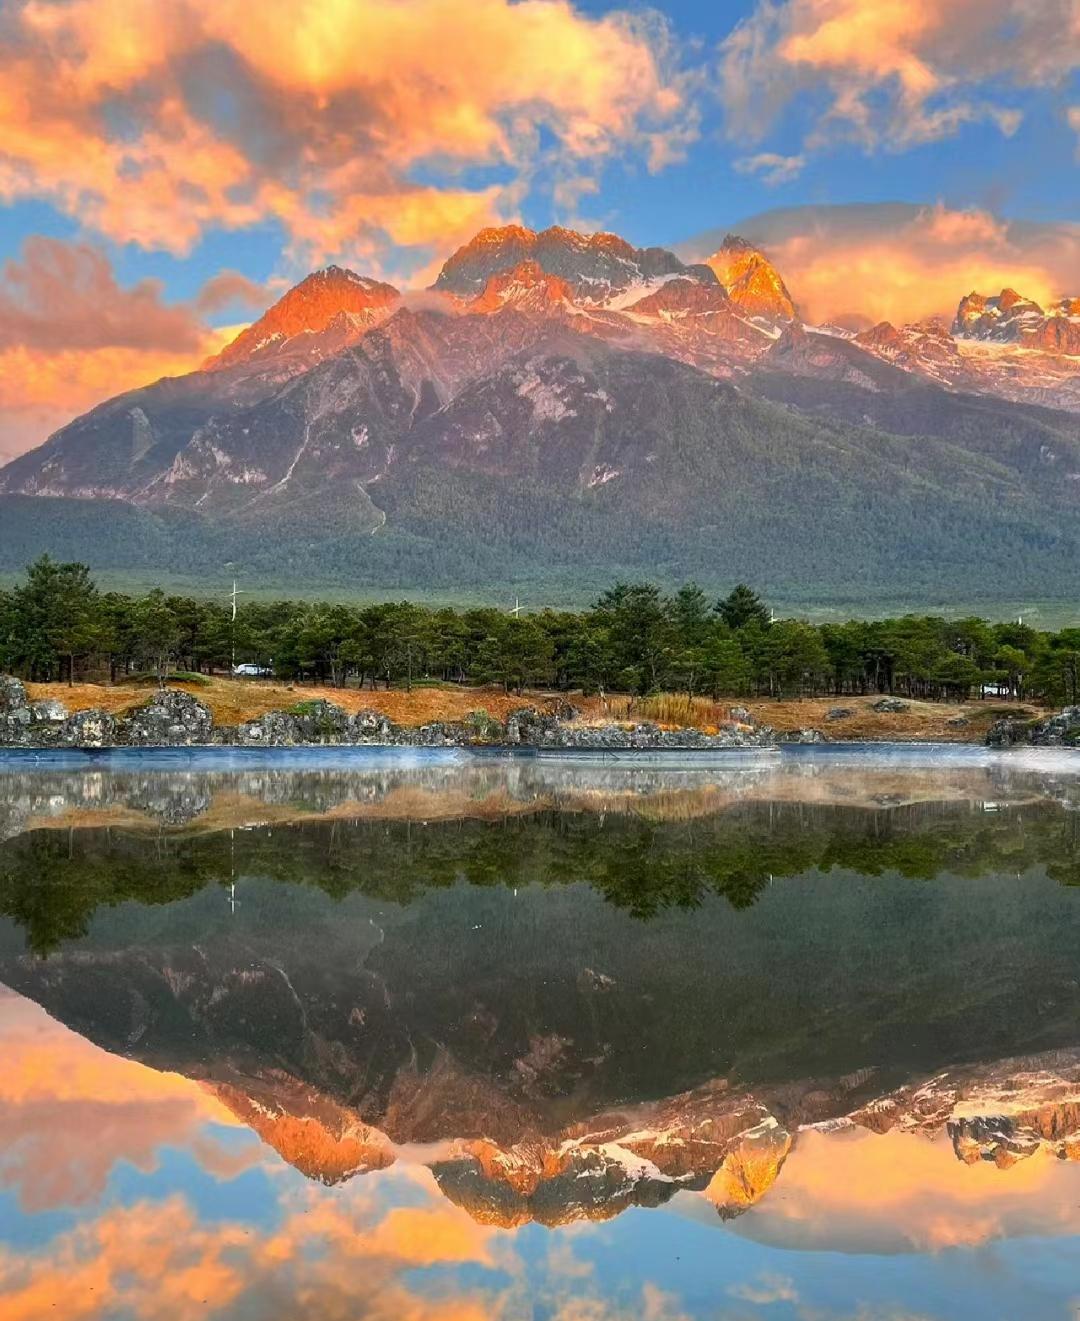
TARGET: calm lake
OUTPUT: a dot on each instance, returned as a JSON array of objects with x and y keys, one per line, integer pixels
[{"x": 442, "y": 1038}]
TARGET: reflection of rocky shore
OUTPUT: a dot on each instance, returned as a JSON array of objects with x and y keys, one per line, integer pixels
[{"x": 482, "y": 788}]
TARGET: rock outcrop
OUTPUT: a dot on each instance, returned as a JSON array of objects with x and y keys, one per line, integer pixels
[
  {"x": 1057, "y": 731},
  {"x": 173, "y": 718},
  {"x": 47, "y": 724},
  {"x": 1010, "y": 318},
  {"x": 170, "y": 719}
]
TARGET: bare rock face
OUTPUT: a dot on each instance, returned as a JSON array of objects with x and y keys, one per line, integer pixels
[
  {"x": 15, "y": 713},
  {"x": 316, "y": 1135},
  {"x": 527, "y": 287},
  {"x": 751, "y": 281},
  {"x": 1009, "y": 318},
  {"x": 828, "y": 357},
  {"x": 551, "y": 1186},
  {"x": 750, "y": 1168},
  {"x": 596, "y": 267},
  {"x": 1057, "y": 731},
  {"x": 30, "y": 724},
  {"x": 12, "y": 694}
]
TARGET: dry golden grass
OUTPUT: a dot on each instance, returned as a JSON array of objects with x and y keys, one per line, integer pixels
[
  {"x": 236, "y": 700},
  {"x": 924, "y": 722},
  {"x": 674, "y": 710}
]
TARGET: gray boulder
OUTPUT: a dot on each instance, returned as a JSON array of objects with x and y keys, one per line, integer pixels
[
  {"x": 15, "y": 714},
  {"x": 373, "y": 727},
  {"x": 1006, "y": 732},
  {"x": 48, "y": 711},
  {"x": 12, "y": 694},
  {"x": 803, "y": 736},
  {"x": 839, "y": 712},
  {"x": 891, "y": 704},
  {"x": 1057, "y": 731},
  {"x": 89, "y": 729},
  {"x": 314, "y": 722},
  {"x": 170, "y": 719}
]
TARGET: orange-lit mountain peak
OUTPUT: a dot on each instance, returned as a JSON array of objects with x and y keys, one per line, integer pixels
[
  {"x": 526, "y": 286},
  {"x": 1011, "y": 318},
  {"x": 596, "y": 267},
  {"x": 308, "y": 1129},
  {"x": 751, "y": 280},
  {"x": 309, "y": 308}
]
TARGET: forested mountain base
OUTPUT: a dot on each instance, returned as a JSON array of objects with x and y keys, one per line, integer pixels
[{"x": 457, "y": 540}]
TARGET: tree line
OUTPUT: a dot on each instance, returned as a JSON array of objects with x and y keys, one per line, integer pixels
[
  {"x": 52, "y": 883},
  {"x": 56, "y": 625}
]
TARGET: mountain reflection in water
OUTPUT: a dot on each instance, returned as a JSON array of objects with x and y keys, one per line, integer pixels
[{"x": 363, "y": 1038}]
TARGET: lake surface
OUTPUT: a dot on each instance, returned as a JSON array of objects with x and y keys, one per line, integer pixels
[{"x": 448, "y": 1037}]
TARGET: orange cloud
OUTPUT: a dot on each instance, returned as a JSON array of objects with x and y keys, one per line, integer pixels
[
  {"x": 858, "y": 1191},
  {"x": 71, "y": 335},
  {"x": 896, "y": 72},
  {"x": 337, "y": 1252},
  {"x": 155, "y": 122},
  {"x": 65, "y": 295},
  {"x": 155, "y": 1262},
  {"x": 903, "y": 263},
  {"x": 56, "y": 1089},
  {"x": 41, "y": 391},
  {"x": 229, "y": 288}
]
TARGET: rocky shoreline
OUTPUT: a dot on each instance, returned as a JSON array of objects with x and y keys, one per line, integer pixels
[
  {"x": 1057, "y": 731},
  {"x": 172, "y": 718}
]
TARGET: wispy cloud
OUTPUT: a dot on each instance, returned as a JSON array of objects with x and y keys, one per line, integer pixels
[
  {"x": 765, "y": 1290},
  {"x": 894, "y": 73},
  {"x": 772, "y": 167}
]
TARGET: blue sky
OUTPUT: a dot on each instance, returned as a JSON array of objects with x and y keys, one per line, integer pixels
[{"x": 181, "y": 142}]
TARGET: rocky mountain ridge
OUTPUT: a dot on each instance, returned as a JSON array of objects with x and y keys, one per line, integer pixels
[
  {"x": 516, "y": 1162},
  {"x": 549, "y": 372},
  {"x": 1011, "y": 318},
  {"x": 599, "y": 268},
  {"x": 328, "y": 309}
]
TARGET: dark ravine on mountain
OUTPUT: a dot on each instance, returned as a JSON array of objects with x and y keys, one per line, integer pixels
[{"x": 558, "y": 399}]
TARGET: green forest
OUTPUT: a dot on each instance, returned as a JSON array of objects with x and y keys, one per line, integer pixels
[{"x": 57, "y": 625}]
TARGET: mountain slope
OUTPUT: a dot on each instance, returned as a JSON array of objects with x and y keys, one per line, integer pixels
[
  {"x": 752, "y": 282},
  {"x": 562, "y": 400},
  {"x": 316, "y": 317}
]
